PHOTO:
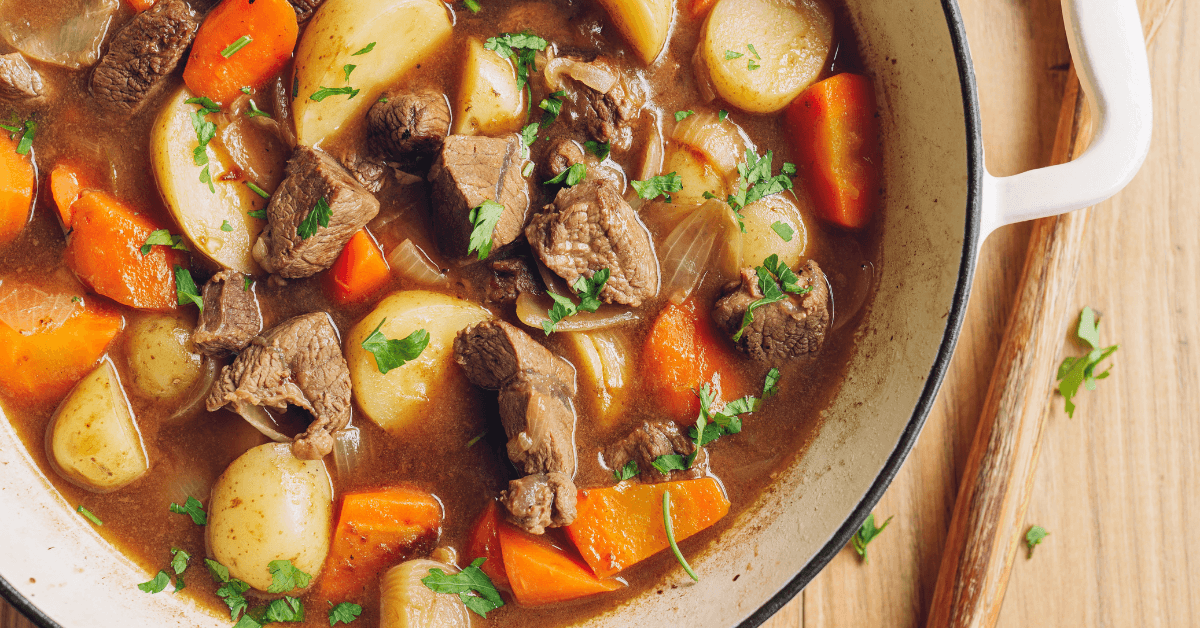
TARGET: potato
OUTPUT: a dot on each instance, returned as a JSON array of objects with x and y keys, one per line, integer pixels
[
  {"x": 761, "y": 241},
  {"x": 489, "y": 100},
  {"x": 405, "y": 602},
  {"x": 200, "y": 212},
  {"x": 162, "y": 359},
  {"x": 269, "y": 505},
  {"x": 93, "y": 438},
  {"x": 787, "y": 57},
  {"x": 404, "y": 33},
  {"x": 720, "y": 141},
  {"x": 604, "y": 363},
  {"x": 697, "y": 173},
  {"x": 402, "y": 395},
  {"x": 644, "y": 23}
]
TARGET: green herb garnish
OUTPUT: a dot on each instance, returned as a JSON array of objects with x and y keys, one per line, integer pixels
[
  {"x": 255, "y": 112},
  {"x": 1033, "y": 538},
  {"x": 318, "y": 216},
  {"x": 865, "y": 534},
  {"x": 259, "y": 191},
  {"x": 260, "y": 214},
  {"x": 369, "y": 48},
  {"x": 476, "y": 439},
  {"x": 205, "y": 132},
  {"x": 671, "y": 537},
  {"x": 783, "y": 230},
  {"x": 599, "y": 150},
  {"x": 162, "y": 237},
  {"x": 325, "y": 92},
  {"x": 721, "y": 115},
  {"x": 87, "y": 513},
  {"x": 472, "y": 5},
  {"x": 522, "y": 48},
  {"x": 287, "y": 609},
  {"x": 345, "y": 612},
  {"x": 680, "y": 115},
  {"x": 730, "y": 55},
  {"x": 552, "y": 105},
  {"x": 225, "y": 226},
  {"x": 1074, "y": 372},
  {"x": 186, "y": 292},
  {"x": 347, "y": 69},
  {"x": 571, "y": 176},
  {"x": 286, "y": 577},
  {"x": 670, "y": 462},
  {"x": 587, "y": 289},
  {"x": 237, "y": 45},
  {"x": 192, "y": 508},
  {"x": 771, "y": 275},
  {"x": 484, "y": 219},
  {"x": 755, "y": 181},
  {"x": 473, "y": 587},
  {"x": 391, "y": 353},
  {"x": 629, "y": 471},
  {"x": 157, "y": 584},
  {"x": 664, "y": 184},
  {"x": 231, "y": 590}
]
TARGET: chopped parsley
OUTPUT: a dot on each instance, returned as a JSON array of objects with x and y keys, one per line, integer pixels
[
  {"x": 771, "y": 275},
  {"x": 588, "y": 290},
  {"x": 186, "y": 292},
  {"x": 664, "y": 184},
  {"x": 712, "y": 424},
  {"x": 755, "y": 181},
  {"x": 383, "y": 99},
  {"x": 473, "y": 587},
  {"x": 286, "y": 609},
  {"x": 866, "y": 533},
  {"x": 179, "y": 560},
  {"x": 599, "y": 150},
  {"x": 754, "y": 52},
  {"x": 245, "y": 89},
  {"x": 680, "y": 115},
  {"x": 472, "y": 5},
  {"x": 476, "y": 439},
  {"x": 231, "y": 590},
  {"x": 205, "y": 132},
  {"x": 257, "y": 190},
  {"x": 325, "y": 92},
  {"x": 771, "y": 383},
  {"x": 1033, "y": 538},
  {"x": 286, "y": 577},
  {"x": 671, "y": 537},
  {"x": 730, "y": 55},
  {"x": 76, "y": 299},
  {"x": 192, "y": 508},
  {"x": 552, "y": 105},
  {"x": 1074, "y": 372},
  {"x": 527, "y": 170},
  {"x": 225, "y": 226},
  {"x": 347, "y": 69},
  {"x": 30, "y": 132},
  {"x": 529, "y": 134},
  {"x": 571, "y": 176},
  {"x": 751, "y": 64},
  {"x": 670, "y": 462},
  {"x": 783, "y": 230},
  {"x": 483, "y": 220},
  {"x": 255, "y": 112},
  {"x": 391, "y": 353},
  {"x": 237, "y": 45},
  {"x": 317, "y": 217},
  {"x": 157, "y": 584},
  {"x": 246, "y": 283},
  {"x": 345, "y": 612},
  {"x": 162, "y": 237},
  {"x": 88, "y": 514},
  {"x": 627, "y": 472},
  {"x": 522, "y": 48},
  {"x": 369, "y": 48},
  {"x": 260, "y": 214},
  {"x": 721, "y": 115}
]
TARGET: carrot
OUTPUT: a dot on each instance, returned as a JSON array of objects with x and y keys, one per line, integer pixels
[
  {"x": 541, "y": 572},
  {"x": 683, "y": 352},
  {"x": 17, "y": 181},
  {"x": 359, "y": 271},
  {"x": 484, "y": 542},
  {"x": 141, "y": 5},
  {"x": 104, "y": 251},
  {"x": 223, "y": 61},
  {"x": 376, "y": 530},
  {"x": 45, "y": 365},
  {"x": 621, "y": 525},
  {"x": 68, "y": 181},
  {"x": 835, "y": 134}
]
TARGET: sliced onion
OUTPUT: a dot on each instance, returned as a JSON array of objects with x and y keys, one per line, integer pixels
[
  {"x": 723, "y": 142},
  {"x": 199, "y": 391},
  {"x": 703, "y": 80},
  {"x": 262, "y": 421},
  {"x": 533, "y": 311},
  {"x": 29, "y": 310},
  {"x": 62, "y": 32},
  {"x": 410, "y": 262},
  {"x": 652, "y": 158},
  {"x": 707, "y": 240},
  {"x": 596, "y": 75},
  {"x": 347, "y": 450},
  {"x": 257, "y": 148}
]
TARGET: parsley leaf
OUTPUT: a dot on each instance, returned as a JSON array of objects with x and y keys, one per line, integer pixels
[
  {"x": 588, "y": 290},
  {"x": 325, "y": 92},
  {"x": 671, "y": 537},
  {"x": 255, "y": 112},
  {"x": 238, "y": 44},
  {"x": 157, "y": 584},
  {"x": 318, "y": 215},
  {"x": 629, "y": 471},
  {"x": 529, "y": 136},
  {"x": 670, "y": 462},
  {"x": 369, "y": 48},
  {"x": 345, "y": 612},
  {"x": 391, "y": 354},
  {"x": 260, "y": 214},
  {"x": 570, "y": 176},
  {"x": 89, "y": 516},
  {"x": 225, "y": 226},
  {"x": 754, "y": 52},
  {"x": 527, "y": 170},
  {"x": 1033, "y": 538},
  {"x": 194, "y": 509},
  {"x": 730, "y": 55},
  {"x": 247, "y": 622},
  {"x": 347, "y": 69},
  {"x": 664, "y": 184},
  {"x": 205, "y": 132},
  {"x": 473, "y": 587},
  {"x": 179, "y": 560},
  {"x": 783, "y": 230},
  {"x": 771, "y": 383},
  {"x": 721, "y": 115},
  {"x": 472, "y": 5},
  {"x": 287, "y": 609},
  {"x": 1077, "y": 371},
  {"x": 286, "y": 577},
  {"x": 680, "y": 115},
  {"x": 162, "y": 237},
  {"x": 484, "y": 218},
  {"x": 599, "y": 150},
  {"x": 26, "y": 143},
  {"x": 751, "y": 64},
  {"x": 552, "y": 105},
  {"x": 755, "y": 181},
  {"x": 522, "y": 48},
  {"x": 231, "y": 589},
  {"x": 259, "y": 191},
  {"x": 865, "y": 534},
  {"x": 186, "y": 292},
  {"x": 771, "y": 270}
]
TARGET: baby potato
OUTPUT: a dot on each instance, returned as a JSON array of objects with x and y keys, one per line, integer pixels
[
  {"x": 405, "y": 602},
  {"x": 269, "y": 505},
  {"x": 163, "y": 362},
  {"x": 395, "y": 399},
  {"x": 604, "y": 362},
  {"x": 761, "y": 69},
  {"x": 761, "y": 240},
  {"x": 489, "y": 100},
  {"x": 644, "y": 23},
  {"x": 697, "y": 173},
  {"x": 93, "y": 439}
]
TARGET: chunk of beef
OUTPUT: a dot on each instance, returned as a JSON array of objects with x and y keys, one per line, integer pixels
[
  {"x": 510, "y": 278},
  {"x": 468, "y": 171},
  {"x": 298, "y": 362},
  {"x": 790, "y": 328},
  {"x": 410, "y": 128},
  {"x": 230, "y": 318},
  {"x": 305, "y": 8},
  {"x": 540, "y": 423},
  {"x": 603, "y": 98},
  {"x": 370, "y": 173},
  {"x": 589, "y": 227},
  {"x": 646, "y": 443},
  {"x": 142, "y": 55},
  {"x": 537, "y": 502},
  {"x": 494, "y": 353},
  {"x": 562, "y": 153},
  {"x": 19, "y": 81},
  {"x": 312, "y": 176}
]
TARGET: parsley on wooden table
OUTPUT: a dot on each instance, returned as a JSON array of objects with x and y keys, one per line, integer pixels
[
  {"x": 571, "y": 176},
  {"x": 866, "y": 533},
  {"x": 392, "y": 353},
  {"x": 317, "y": 217},
  {"x": 483, "y": 220},
  {"x": 192, "y": 508},
  {"x": 1033, "y": 538},
  {"x": 1081, "y": 371},
  {"x": 587, "y": 289},
  {"x": 186, "y": 292},
  {"x": 663, "y": 184},
  {"x": 473, "y": 587},
  {"x": 345, "y": 612},
  {"x": 205, "y": 132},
  {"x": 771, "y": 275}
]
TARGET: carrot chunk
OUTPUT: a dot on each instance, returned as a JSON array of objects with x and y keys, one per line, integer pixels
[
  {"x": 359, "y": 271},
  {"x": 541, "y": 572},
  {"x": 621, "y": 525},
  {"x": 484, "y": 542},
  {"x": 141, "y": 5},
  {"x": 242, "y": 43},
  {"x": 45, "y": 365},
  {"x": 105, "y": 252},
  {"x": 17, "y": 182},
  {"x": 835, "y": 134},
  {"x": 376, "y": 530},
  {"x": 68, "y": 181}
]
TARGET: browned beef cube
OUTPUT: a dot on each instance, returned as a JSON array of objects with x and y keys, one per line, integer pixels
[
  {"x": 510, "y": 278},
  {"x": 537, "y": 502},
  {"x": 142, "y": 55},
  {"x": 305, "y": 8},
  {"x": 494, "y": 353},
  {"x": 18, "y": 81},
  {"x": 230, "y": 318},
  {"x": 410, "y": 128},
  {"x": 791, "y": 328},
  {"x": 650, "y": 441},
  {"x": 540, "y": 423},
  {"x": 469, "y": 171}
]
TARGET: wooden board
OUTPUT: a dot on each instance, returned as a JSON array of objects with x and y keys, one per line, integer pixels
[{"x": 1116, "y": 485}]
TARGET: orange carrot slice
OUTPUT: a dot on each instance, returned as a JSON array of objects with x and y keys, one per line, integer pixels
[
  {"x": 242, "y": 43},
  {"x": 17, "y": 183},
  {"x": 359, "y": 271},
  {"x": 541, "y": 572},
  {"x": 44, "y": 366}
]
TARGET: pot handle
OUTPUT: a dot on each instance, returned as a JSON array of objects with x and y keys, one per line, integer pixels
[{"x": 1110, "y": 56}]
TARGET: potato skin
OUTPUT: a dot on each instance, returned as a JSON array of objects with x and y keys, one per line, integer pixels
[
  {"x": 760, "y": 240},
  {"x": 268, "y": 505},
  {"x": 162, "y": 360},
  {"x": 489, "y": 101}
]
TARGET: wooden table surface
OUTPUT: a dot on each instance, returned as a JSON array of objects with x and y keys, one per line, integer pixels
[{"x": 1117, "y": 485}]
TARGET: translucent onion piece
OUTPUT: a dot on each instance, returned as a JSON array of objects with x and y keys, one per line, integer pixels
[
  {"x": 723, "y": 142},
  {"x": 703, "y": 82},
  {"x": 262, "y": 421},
  {"x": 604, "y": 368},
  {"x": 533, "y": 309},
  {"x": 347, "y": 451},
  {"x": 597, "y": 76},
  {"x": 29, "y": 310},
  {"x": 256, "y": 147},
  {"x": 410, "y": 262},
  {"x": 652, "y": 159},
  {"x": 688, "y": 249},
  {"x": 62, "y": 32},
  {"x": 199, "y": 391}
]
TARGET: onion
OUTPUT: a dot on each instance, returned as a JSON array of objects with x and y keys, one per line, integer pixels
[
  {"x": 258, "y": 149},
  {"x": 62, "y": 32},
  {"x": 533, "y": 311},
  {"x": 596, "y": 75},
  {"x": 703, "y": 80},
  {"x": 29, "y": 310},
  {"x": 410, "y": 262},
  {"x": 199, "y": 391},
  {"x": 262, "y": 421},
  {"x": 687, "y": 253},
  {"x": 347, "y": 451},
  {"x": 652, "y": 159},
  {"x": 723, "y": 142}
]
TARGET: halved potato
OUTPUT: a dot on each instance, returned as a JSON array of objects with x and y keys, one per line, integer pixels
[
  {"x": 697, "y": 173},
  {"x": 200, "y": 212},
  {"x": 403, "y": 394},
  {"x": 93, "y": 439},
  {"x": 489, "y": 100},
  {"x": 404, "y": 32},
  {"x": 761, "y": 241},
  {"x": 786, "y": 57},
  {"x": 162, "y": 359},
  {"x": 645, "y": 23}
]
